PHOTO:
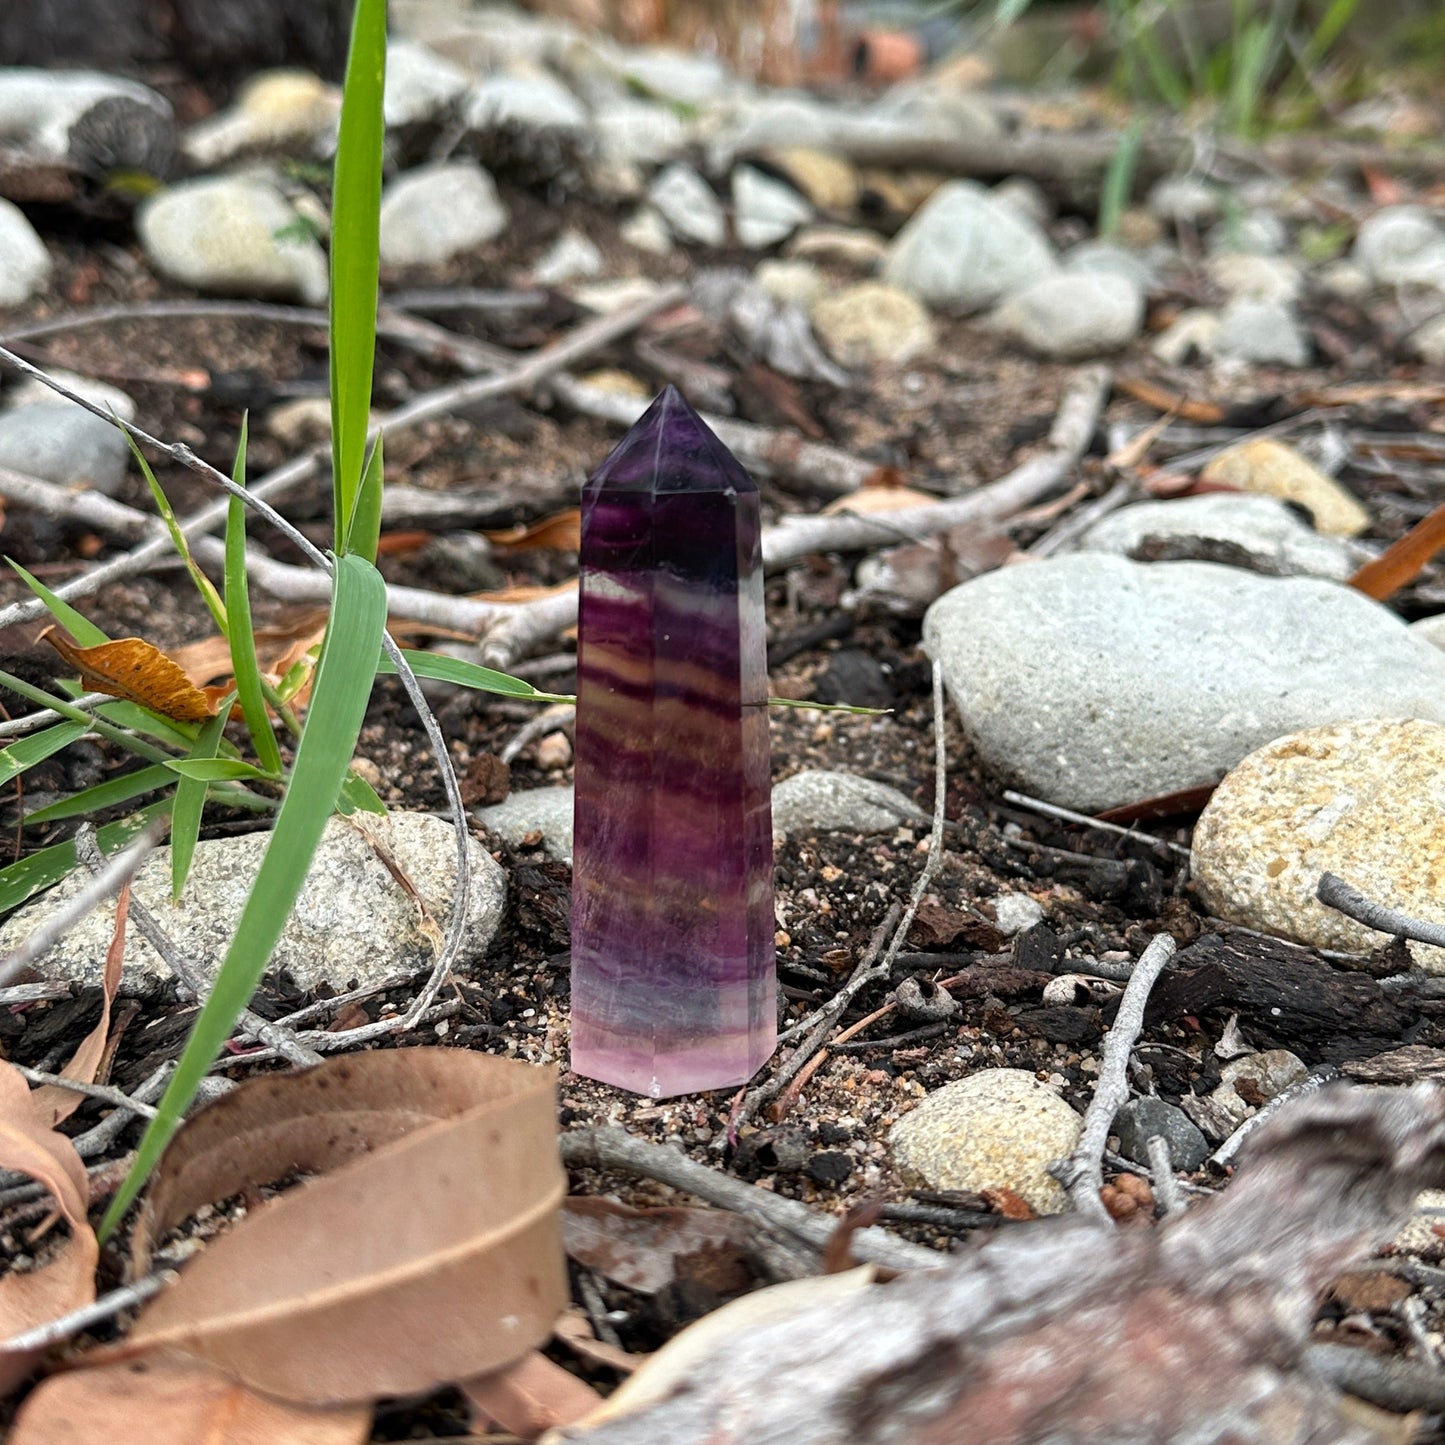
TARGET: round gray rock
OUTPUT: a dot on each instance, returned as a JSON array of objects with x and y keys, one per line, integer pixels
[
  {"x": 1402, "y": 246},
  {"x": 999, "y": 1129},
  {"x": 1140, "y": 1119},
  {"x": 24, "y": 261},
  {"x": 689, "y": 205},
  {"x": 353, "y": 922},
  {"x": 60, "y": 442},
  {"x": 1093, "y": 682},
  {"x": 547, "y": 811},
  {"x": 1073, "y": 315},
  {"x": 818, "y": 801},
  {"x": 1265, "y": 332},
  {"x": 231, "y": 235},
  {"x": 1363, "y": 800},
  {"x": 1259, "y": 533},
  {"x": 439, "y": 211},
  {"x": 963, "y": 251}
]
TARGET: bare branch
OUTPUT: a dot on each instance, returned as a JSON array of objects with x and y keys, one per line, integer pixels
[{"x": 1335, "y": 893}]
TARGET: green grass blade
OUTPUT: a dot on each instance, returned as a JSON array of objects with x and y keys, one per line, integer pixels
[
  {"x": 364, "y": 535},
  {"x": 358, "y": 796},
  {"x": 469, "y": 674},
  {"x": 151, "y": 724},
  {"x": 82, "y": 629},
  {"x": 105, "y": 795},
  {"x": 1119, "y": 180},
  {"x": 218, "y": 770},
  {"x": 190, "y": 801},
  {"x": 333, "y": 721},
  {"x": 244, "y": 667},
  {"x": 25, "y": 752},
  {"x": 356, "y": 206},
  {"x": 43, "y": 869},
  {"x": 204, "y": 585},
  {"x": 1332, "y": 23}
]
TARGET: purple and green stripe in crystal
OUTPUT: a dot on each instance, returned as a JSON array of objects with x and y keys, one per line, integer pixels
[{"x": 673, "y": 980}]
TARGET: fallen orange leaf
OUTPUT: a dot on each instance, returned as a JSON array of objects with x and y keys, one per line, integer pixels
[
  {"x": 428, "y": 1251},
  {"x": 562, "y": 530},
  {"x": 1404, "y": 559},
  {"x": 172, "y": 1402},
  {"x": 138, "y": 671},
  {"x": 68, "y": 1281},
  {"x": 53, "y": 1104}
]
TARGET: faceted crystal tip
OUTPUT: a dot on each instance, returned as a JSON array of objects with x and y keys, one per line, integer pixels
[{"x": 670, "y": 448}]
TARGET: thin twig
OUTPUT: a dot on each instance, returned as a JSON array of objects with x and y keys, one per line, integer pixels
[
  {"x": 104, "y": 1092},
  {"x": 1082, "y": 1173},
  {"x": 616, "y": 1149},
  {"x": 53, "y": 1332},
  {"x": 1335, "y": 893},
  {"x": 1315, "y": 1080},
  {"x": 96, "y": 1140},
  {"x": 110, "y": 877},
  {"x": 1068, "y": 815},
  {"x": 1078, "y": 521},
  {"x": 1166, "y": 1184}
]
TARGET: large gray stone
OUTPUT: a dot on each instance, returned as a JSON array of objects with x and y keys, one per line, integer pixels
[
  {"x": 420, "y": 84},
  {"x": 818, "y": 801},
  {"x": 46, "y": 111},
  {"x": 232, "y": 235},
  {"x": 60, "y": 442},
  {"x": 1094, "y": 682},
  {"x": 1258, "y": 533},
  {"x": 1265, "y": 332},
  {"x": 439, "y": 211},
  {"x": 963, "y": 250},
  {"x": 353, "y": 921},
  {"x": 1073, "y": 315},
  {"x": 24, "y": 261}
]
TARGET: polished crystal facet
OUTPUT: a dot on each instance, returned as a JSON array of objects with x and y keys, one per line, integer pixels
[{"x": 673, "y": 981}]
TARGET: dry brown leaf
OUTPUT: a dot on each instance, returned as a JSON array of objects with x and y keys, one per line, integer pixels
[
  {"x": 1202, "y": 413},
  {"x": 174, "y": 1402},
  {"x": 869, "y": 501},
  {"x": 1404, "y": 559},
  {"x": 574, "y": 1330},
  {"x": 531, "y": 1396},
  {"x": 138, "y": 671},
  {"x": 429, "y": 1250},
  {"x": 51, "y": 1103},
  {"x": 649, "y": 1249},
  {"x": 68, "y": 1280},
  {"x": 278, "y": 649},
  {"x": 562, "y": 530}
]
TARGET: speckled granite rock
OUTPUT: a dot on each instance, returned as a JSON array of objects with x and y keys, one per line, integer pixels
[
  {"x": 999, "y": 1129},
  {"x": 353, "y": 920},
  {"x": 1364, "y": 800}
]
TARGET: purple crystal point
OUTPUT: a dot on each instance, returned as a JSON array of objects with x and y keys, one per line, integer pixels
[{"x": 673, "y": 982}]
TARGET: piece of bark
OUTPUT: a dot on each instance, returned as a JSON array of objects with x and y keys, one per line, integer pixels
[
  {"x": 1066, "y": 1332},
  {"x": 1284, "y": 998}
]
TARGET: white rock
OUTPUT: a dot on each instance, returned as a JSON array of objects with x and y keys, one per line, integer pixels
[
  {"x": 1026, "y": 198},
  {"x": 1258, "y": 233},
  {"x": 273, "y": 109},
  {"x": 25, "y": 265},
  {"x": 1428, "y": 341},
  {"x": 1402, "y": 246},
  {"x": 1107, "y": 258},
  {"x": 605, "y": 297},
  {"x": 60, "y": 442},
  {"x": 39, "y": 107},
  {"x": 798, "y": 283},
  {"x": 1192, "y": 335},
  {"x": 485, "y": 39},
  {"x": 1073, "y": 315},
  {"x": 817, "y": 801},
  {"x": 420, "y": 85},
  {"x": 962, "y": 251},
  {"x": 534, "y": 101},
  {"x": 1344, "y": 279},
  {"x": 999, "y": 1129},
  {"x": 1364, "y": 800},
  {"x": 684, "y": 77},
  {"x": 873, "y": 322},
  {"x": 1185, "y": 199},
  {"x": 1260, "y": 533},
  {"x": 1014, "y": 912},
  {"x": 571, "y": 255},
  {"x": 220, "y": 236},
  {"x": 1265, "y": 332},
  {"x": 843, "y": 245},
  {"x": 547, "y": 811},
  {"x": 638, "y": 132},
  {"x": 647, "y": 231},
  {"x": 435, "y": 212},
  {"x": 1222, "y": 1111},
  {"x": 353, "y": 921},
  {"x": 1093, "y": 682},
  {"x": 689, "y": 205},
  {"x": 765, "y": 211},
  {"x": 1432, "y": 629},
  {"x": 1246, "y": 277}
]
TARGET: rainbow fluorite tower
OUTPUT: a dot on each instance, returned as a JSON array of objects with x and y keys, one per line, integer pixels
[{"x": 673, "y": 980}]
